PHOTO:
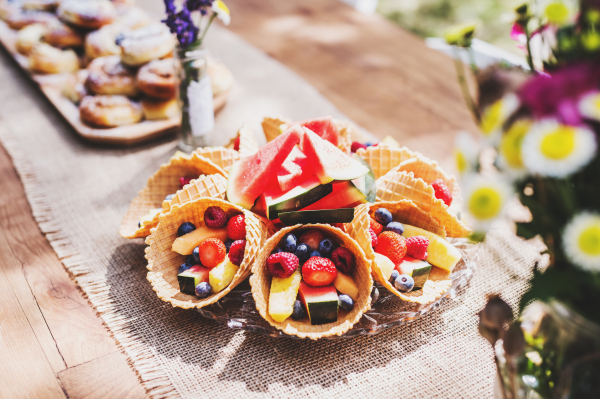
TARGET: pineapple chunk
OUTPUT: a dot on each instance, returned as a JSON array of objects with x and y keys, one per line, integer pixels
[
  {"x": 221, "y": 275},
  {"x": 440, "y": 252},
  {"x": 283, "y": 295},
  {"x": 185, "y": 244},
  {"x": 385, "y": 264},
  {"x": 344, "y": 284}
]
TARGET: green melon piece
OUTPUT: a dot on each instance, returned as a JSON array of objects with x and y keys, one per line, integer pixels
[
  {"x": 367, "y": 183},
  {"x": 341, "y": 215}
]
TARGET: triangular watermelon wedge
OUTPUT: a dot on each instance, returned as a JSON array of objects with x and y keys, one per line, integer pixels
[
  {"x": 324, "y": 127},
  {"x": 294, "y": 170},
  {"x": 329, "y": 162},
  {"x": 249, "y": 176}
]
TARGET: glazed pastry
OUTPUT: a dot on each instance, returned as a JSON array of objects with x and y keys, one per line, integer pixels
[
  {"x": 74, "y": 86},
  {"x": 101, "y": 42},
  {"x": 89, "y": 14},
  {"x": 8, "y": 7},
  {"x": 157, "y": 109},
  {"x": 134, "y": 18},
  {"x": 123, "y": 3},
  {"x": 40, "y": 5},
  {"x": 29, "y": 36},
  {"x": 157, "y": 79},
  {"x": 47, "y": 59},
  {"x": 109, "y": 76},
  {"x": 109, "y": 111},
  {"x": 19, "y": 19},
  {"x": 62, "y": 35},
  {"x": 146, "y": 44}
]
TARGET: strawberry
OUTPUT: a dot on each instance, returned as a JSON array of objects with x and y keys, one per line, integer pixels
[
  {"x": 236, "y": 143},
  {"x": 417, "y": 247},
  {"x": 312, "y": 238},
  {"x": 376, "y": 226},
  {"x": 236, "y": 252},
  {"x": 373, "y": 238},
  {"x": 343, "y": 259},
  {"x": 319, "y": 272},
  {"x": 391, "y": 245},
  {"x": 212, "y": 252},
  {"x": 282, "y": 264},
  {"x": 442, "y": 191},
  {"x": 236, "y": 228},
  {"x": 215, "y": 217},
  {"x": 184, "y": 181},
  {"x": 356, "y": 145}
]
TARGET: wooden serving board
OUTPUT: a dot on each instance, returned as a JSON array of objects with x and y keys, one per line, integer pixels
[{"x": 51, "y": 86}]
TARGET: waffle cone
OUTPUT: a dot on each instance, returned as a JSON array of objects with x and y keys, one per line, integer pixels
[
  {"x": 271, "y": 127},
  {"x": 248, "y": 144},
  {"x": 261, "y": 285},
  {"x": 395, "y": 186},
  {"x": 163, "y": 263},
  {"x": 428, "y": 170},
  {"x": 213, "y": 186},
  {"x": 383, "y": 158},
  {"x": 348, "y": 134},
  {"x": 220, "y": 156},
  {"x": 164, "y": 182}
]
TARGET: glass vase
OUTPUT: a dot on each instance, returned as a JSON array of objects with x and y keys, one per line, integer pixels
[
  {"x": 195, "y": 99},
  {"x": 561, "y": 357}
]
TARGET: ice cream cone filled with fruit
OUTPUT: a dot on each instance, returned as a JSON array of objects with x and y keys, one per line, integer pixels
[
  {"x": 201, "y": 250},
  {"x": 312, "y": 281}
]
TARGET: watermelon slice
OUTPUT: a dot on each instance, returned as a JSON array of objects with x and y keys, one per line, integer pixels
[
  {"x": 249, "y": 176},
  {"x": 344, "y": 195},
  {"x": 325, "y": 128},
  {"x": 328, "y": 161},
  {"x": 294, "y": 170}
]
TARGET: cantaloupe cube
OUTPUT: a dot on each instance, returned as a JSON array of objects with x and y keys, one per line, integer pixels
[
  {"x": 385, "y": 264},
  {"x": 283, "y": 295},
  {"x": 345, "y": 284},
  {"x": 221, "y": 275},
  {"x": 185, "y": 244}
]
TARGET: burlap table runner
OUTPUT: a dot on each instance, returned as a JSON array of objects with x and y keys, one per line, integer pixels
[{"x": 79, "y": 193}]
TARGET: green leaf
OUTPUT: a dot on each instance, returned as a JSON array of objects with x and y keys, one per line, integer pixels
[{"x": 527, "y": 230}]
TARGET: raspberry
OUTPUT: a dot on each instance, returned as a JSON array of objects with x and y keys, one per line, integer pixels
[
  {"x": 236, "y": 143},
  {"x": 376, "y": 226},
  {"x": 343, "y": 259},
  {"x": 373, "y": 238},
  {"x": 417, "y": 247},
  {"x": 236, "y": 228},
  {"x": 236, "y": 252},
  {"x": 319, "y": 272},
  {"x": 215, "y": 217},
  {"x": 212, "y": 252},
  {"x": 282, "y": 264},
  {"x": 184, "y": 181},
  {"x": 356, "y": 145},
  {"x": 391, "y": 245},
  {"x": 442, "y": 191}
]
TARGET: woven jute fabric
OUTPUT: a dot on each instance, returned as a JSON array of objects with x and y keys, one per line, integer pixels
[{"x": 79, "y": 193}]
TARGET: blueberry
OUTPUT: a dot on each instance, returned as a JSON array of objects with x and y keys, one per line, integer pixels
[
  {"x": 185, "y": 228},
  {"x": 184, "y": 267},
  {"x": 346, "y": 303},
  {"x": 299, "y": 312},
  {"x": 374, "y": 295},
  {"x": 326, "y": 247},
  {"x": 276, "y": 251},
  {"x": 196, "y": 255},
  {"x": 302, "y": 252},
  {"x": 404, "y": 283},
  {"x": 369, "y": 144},
  {"x": 139, "y": 225},
  {"x": 228, "y": 245},
  {"x": 395, "y": 227},
  {"x": 203, "y": 290},
  {"x": 190, "y": 260},
  {"x": 169, "y": 197},
  {"x": 394, "y": 276},
  {"x": 289, "y": 242},
  {"x": 383, "y": 216},
  {"x": 315, "y": 253}
]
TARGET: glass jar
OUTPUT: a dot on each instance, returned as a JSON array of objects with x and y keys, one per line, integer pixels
[
  {"x": 561, "y": 357},
  {"x": 195, "y": 99}
]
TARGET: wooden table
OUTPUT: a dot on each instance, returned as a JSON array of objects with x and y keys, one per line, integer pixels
[{"x": 52, "y": 343}]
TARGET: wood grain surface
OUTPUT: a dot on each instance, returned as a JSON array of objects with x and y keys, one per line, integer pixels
[{"x": 52, "y": 343}]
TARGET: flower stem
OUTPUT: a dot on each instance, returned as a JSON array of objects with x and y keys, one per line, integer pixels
[
  {"x": 462, "y": 81},
  {"x": 212, "y": 17},
  {"x": 528, "y": 43}
]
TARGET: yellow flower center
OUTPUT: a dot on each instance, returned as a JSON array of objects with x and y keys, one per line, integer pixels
[
  {"x": 492, "y": 118},
  {"x": 557, "y": 13},
  {"x": 485, "y": 203},
  {"x": 559, "y": 144},
  {"x": 589, "y": 241},
  {"x": 461, "y": 162},
  {"x": 510, "y": 146}
]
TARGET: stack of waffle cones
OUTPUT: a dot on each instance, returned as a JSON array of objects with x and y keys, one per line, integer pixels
[
  {"x": 164, "y": 182},
  {"x": 163, "y": 263},
  {"x": 248, "y": 145},
  {"x": 261, "y": 285}
]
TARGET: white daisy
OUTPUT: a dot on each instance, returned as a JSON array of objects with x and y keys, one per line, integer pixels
[
  {"x": 589, "y": 106},
  {"x": 556, "y": 150},
  {"x": 509, "y": 150},
  {"x": 581, "y": 241},
  {"x": 466, "y": 152},
  {"x": 222, "y": 11},
  {"x": 485, "y": 199},
  {"x": 494, "y": 116}
]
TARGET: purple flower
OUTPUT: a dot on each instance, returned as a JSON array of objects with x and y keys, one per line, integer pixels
[
  {"x": 199, "y": 5},
  {"x": 181, "y": 24}
]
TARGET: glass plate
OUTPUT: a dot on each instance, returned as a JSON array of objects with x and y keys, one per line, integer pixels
[{"x": 237, "y": 309}]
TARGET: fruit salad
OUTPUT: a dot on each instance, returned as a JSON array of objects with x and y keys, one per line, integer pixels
[{"x": 214, "y": 250}]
